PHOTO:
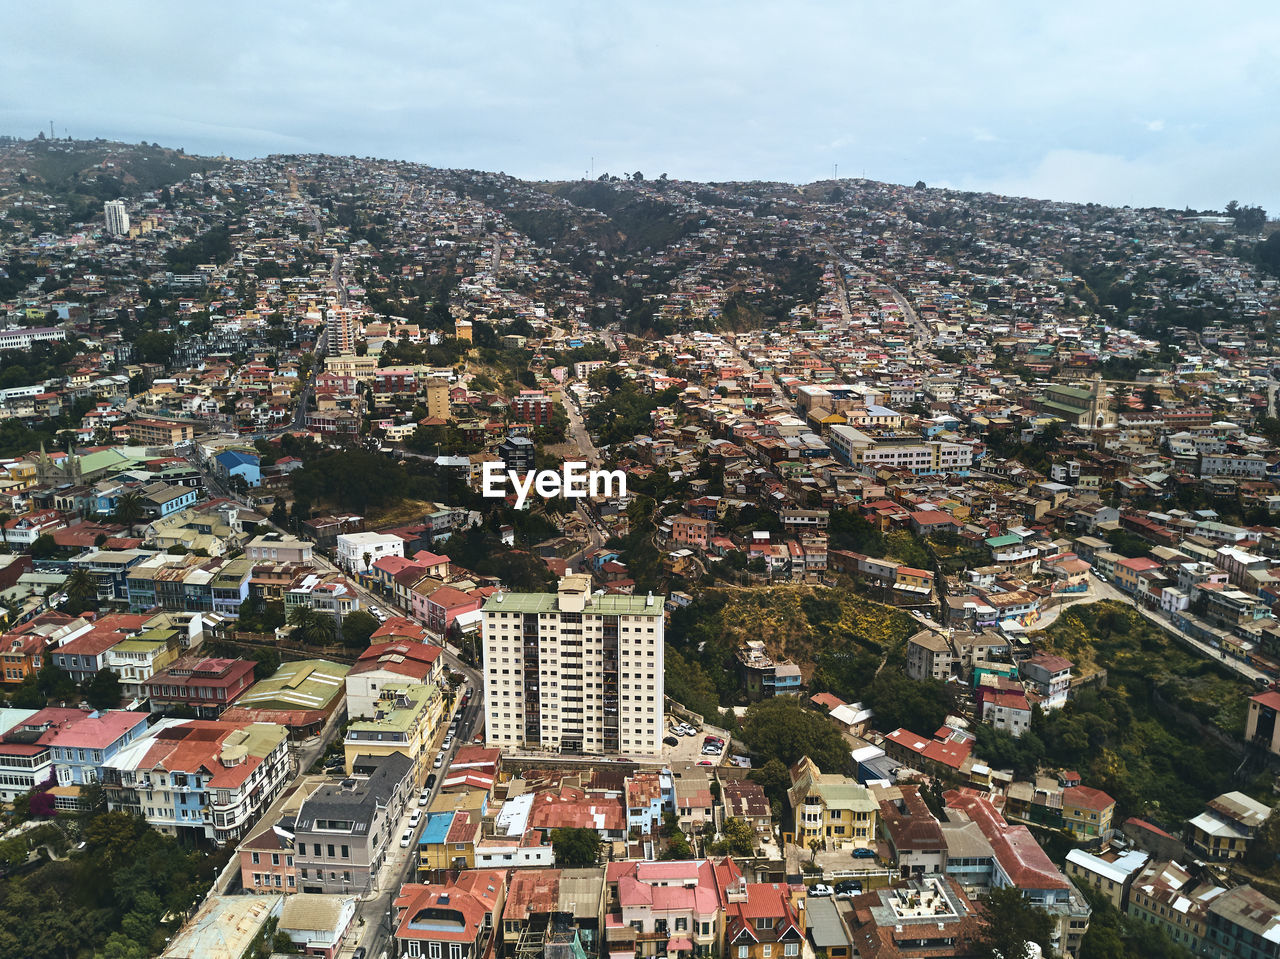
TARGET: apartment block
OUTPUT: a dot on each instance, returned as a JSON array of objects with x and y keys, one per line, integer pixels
[{"x": 573, "y": 671}]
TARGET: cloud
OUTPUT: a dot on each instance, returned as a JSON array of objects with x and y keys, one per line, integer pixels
[{"x": 1016, "y": 97}]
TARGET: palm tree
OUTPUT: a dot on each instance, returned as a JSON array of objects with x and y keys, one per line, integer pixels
[
  {"x": 312, "y": 627},
  {"x": 81, "y": 589},
  {"x": 129, "y": 509}
]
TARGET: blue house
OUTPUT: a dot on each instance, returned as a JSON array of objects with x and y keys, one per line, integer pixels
[
  {"x": 229, "y": 464},
  {"x": 82, "y": 746}
]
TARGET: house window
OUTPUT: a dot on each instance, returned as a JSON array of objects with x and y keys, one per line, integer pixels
[
  {"x": 791, "y": 949},
  {"x": 433, "y": 950},
  {"x": 743, "y": 952},
  {"x": 254, "y": 857},
  {"x": 455, "y": 950},
  {"x": 766, "y": 950}
]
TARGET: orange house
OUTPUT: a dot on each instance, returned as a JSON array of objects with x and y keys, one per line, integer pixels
[{"x": 21, "y": 654}]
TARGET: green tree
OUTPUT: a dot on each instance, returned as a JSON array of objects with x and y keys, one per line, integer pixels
[
  {"x": 129, "y": 510},
  {"x": 103, "y": 691},
  {"x": 357, "y": 627},
  {"x": 1010, "y": 922},
  {"x": 54, "y": 682},
  {"x": 44, "y": 547},
  {"x": 310, "y": 626},
  {"x": 739, "y": 839},
  {"x": 575, "y": 847},
  {"x": 81, "y": 590},
  {"x": 782, "y": 729}
]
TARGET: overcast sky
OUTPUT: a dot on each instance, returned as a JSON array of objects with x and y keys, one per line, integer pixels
[{"x": 1166, "y": 103}]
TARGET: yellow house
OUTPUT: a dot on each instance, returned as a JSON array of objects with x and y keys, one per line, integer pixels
[
  {"x": 831, "y": 809},
  {"x": 407, "y": 717},
  {"x": 23, "y": 473},
  {"x": 1228, "y": 825},
  {"x": 1086, "y": 812},
  {"x": 448, "y": 841}
]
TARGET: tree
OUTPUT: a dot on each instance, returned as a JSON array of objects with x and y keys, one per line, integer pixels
[
  {"x": 129, "y": 509},
  {"x": 814, "y": 845},
  {"x": 82, "y": 591},
  {"x": 1010, "y": 922},
  {"x": 782, "y": 729},
  {"x": 575, "y": 847},
  {"x": 357, "y": 627},
  {"x": 103, "y": 691},
  {"x": 44, "y": 547},
  {"x": 739, "y": 839},
  {"x": 54, "y": 682},
  {"x": 311, "y": 626}
]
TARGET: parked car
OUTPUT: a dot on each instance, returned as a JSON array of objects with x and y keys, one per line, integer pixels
[
  {"x": 424, "y": 797},
  {"x": 359, "y": 953},
  {"x": 820, "y": 890},
  {"x": 705, "y": 762},
  {"x": 431, "y": 781},
  {"x": 438, "y": 763},
  {"x": 848, "y": 888},
  {"x": 671, "y": 740},
  {"x": 406, "y": 839},
  {"x": 861, "y": 853},
  {"x": 415, "y": 818}
]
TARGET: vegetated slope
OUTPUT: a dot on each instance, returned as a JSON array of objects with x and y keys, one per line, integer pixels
[
  {"x": 815, "y": 626},
  {"x": 1136, "y": 737},
  {"x": 98, "y": 168}
]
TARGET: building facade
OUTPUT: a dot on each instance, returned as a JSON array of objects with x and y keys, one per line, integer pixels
[{"x": 574, "y": 672}]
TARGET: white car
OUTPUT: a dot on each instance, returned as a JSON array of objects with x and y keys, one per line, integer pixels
[
  {"x": 424, "y": 797},
  {"x": 820, "y": 890},
  {"x": 415, "y": 818},
  {"x": 406, "y": 839},
  {"x": 438, "y": 763}
]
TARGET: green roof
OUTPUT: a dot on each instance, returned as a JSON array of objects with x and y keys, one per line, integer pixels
[
  {"x": 398, "y": 719},
  {"x": 1009, "y": 539},
  {"x": 305, "y": 684},
  {"x": 602, "y": 605},
  {"x": 1066, "y": 408},
  {"x": 522, "y": 602},
  {"x": 1070, "y": 391}
]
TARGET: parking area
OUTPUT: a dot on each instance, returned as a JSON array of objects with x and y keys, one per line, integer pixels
[{"x": 688, "y": 748}]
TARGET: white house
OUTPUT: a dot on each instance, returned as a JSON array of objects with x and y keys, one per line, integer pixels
[{"x": 357, "y": 552}]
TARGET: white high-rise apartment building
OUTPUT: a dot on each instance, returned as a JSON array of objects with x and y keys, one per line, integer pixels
[
  {"x": 117, "y": 217},
  {"x": 339, "y": 333},
  {"x": 574, "y": 672}
]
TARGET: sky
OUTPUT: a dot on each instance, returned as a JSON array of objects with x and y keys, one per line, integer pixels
[{"x": 1120, "y": 102}]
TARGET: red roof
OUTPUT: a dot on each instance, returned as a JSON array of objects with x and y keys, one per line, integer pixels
[
  {"x": 1019, "y": 855},
  {"x": 1085, "y": 797},
  {"x": 1270, "y": 699}
]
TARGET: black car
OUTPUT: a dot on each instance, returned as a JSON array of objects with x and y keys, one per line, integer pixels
[
  {"x": 848, "y": 887},
  {"x": 431, "y": 781},
  {"x": 671, "y": 740}
]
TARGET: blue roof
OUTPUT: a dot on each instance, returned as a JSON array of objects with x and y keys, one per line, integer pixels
[
  {"x": 230, "y": 458},
  {"x": 436, "y": 829}
]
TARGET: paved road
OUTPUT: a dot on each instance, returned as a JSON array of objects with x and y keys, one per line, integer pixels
[
  {"x": 596, "y": 535},
  {"x": 373, "y": 929}
]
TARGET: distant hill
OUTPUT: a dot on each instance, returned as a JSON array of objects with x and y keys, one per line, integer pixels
[{"x": 85, "y": 172}]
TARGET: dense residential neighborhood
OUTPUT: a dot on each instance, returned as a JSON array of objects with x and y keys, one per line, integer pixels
[{"x": 931, "y": 584}]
